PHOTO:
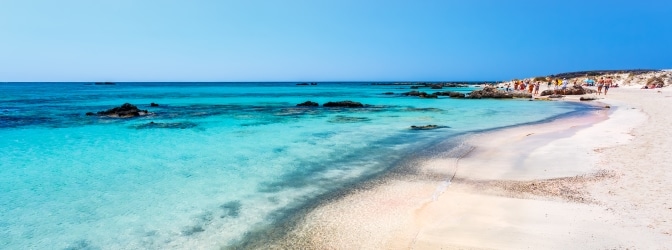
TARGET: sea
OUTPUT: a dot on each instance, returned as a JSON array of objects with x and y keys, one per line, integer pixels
[{"x": 213, "y": 163}]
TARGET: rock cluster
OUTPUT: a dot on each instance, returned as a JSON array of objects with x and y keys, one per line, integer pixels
[
  {"x": 126, "y": 110},
  {"x": 308, "y": 104},
  {"x": 573, "y": 90},
  {"x": 340, "y": 104},
  {"x": 493, "y": 92},
  {"x": 346, "y": 104},
  {"x": 453, "y": 94},
  {"x": 420, "y": 94}
]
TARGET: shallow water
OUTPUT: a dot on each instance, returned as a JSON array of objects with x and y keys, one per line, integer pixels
[{"x": 220, "y": 160}]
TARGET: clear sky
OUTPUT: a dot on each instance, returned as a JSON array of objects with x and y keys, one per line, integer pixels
[{"x": 327, "y": 40}]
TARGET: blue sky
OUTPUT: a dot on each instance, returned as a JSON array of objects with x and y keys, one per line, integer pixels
[{"x": 320, "y": 40}]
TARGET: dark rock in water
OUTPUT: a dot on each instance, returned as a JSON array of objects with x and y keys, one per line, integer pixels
[
  {"x": 90, "y": 113},
  {"x": 126, "y": 110},
  {"x": 175, "y": 125},
  {"x": 303, "y": 84},
  {"x": 583, "y": 98},
  {"x": 427, "y": 127},
  {"x": 104, "y": 83},
  {"x": 429, "y": 96},
  {"x": 153, "y": 104},
  {"x": 347, "y": 104},
  {"x": 456, "y": 95},
  {"x": 308, "y": 104},
  {"x": 420, "y": 94},
  {"x": 388, "y": 93},
  {"x": 607, "y": 107},
  {"x": 413, "y": 93}
]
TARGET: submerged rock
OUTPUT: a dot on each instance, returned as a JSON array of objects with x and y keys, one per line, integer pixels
[
  {"x": 153, "y": 104},
  {"x": 452, "y": 94},
  {"x": 175, "y": 125},
  {"x": 427, "y": 127},
  {"x": 308, "y": 104},
  {"x": 346, "y": 104},
  {"x": 348, "y": 119},
  {"x": 126, "y": 110}
]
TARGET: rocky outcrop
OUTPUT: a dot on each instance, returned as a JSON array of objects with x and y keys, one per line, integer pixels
[
  {"x": 126, "y": 110},
  {"x": 153, "y": 104},
  {"x": 492, "y": 92},
  {"x": 344, "y": 104},
  {"x": 573, "y": 90},
  {"x": 308, "y": 104}
]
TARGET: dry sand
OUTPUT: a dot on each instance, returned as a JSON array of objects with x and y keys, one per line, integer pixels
[{"x": 599, "y": 182}]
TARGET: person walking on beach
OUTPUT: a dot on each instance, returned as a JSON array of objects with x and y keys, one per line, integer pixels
[
  {"x": 530, "y": 88},
  {"x": 607, "y": 84},
  {"x": 600, "y": 84},
  {"x": 536, "y": 88}
]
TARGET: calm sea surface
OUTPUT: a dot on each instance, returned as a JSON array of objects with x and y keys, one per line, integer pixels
[{"x": 225, "y": 158}]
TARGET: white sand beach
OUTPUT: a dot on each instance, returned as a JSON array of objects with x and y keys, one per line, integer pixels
[{"x": 599, "y": 182}]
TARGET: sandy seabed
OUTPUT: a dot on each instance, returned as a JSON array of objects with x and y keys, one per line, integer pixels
[{"x": 602, "y": 181}]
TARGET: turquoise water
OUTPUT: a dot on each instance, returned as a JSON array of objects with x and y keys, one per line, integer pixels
[{"x": 234, "y": 158}]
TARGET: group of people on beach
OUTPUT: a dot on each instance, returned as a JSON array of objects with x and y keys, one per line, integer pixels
[
  {"x": 559, "y": 85},
  {"x": 604, "y": 84},
  {"x": 532, "y": 88}
]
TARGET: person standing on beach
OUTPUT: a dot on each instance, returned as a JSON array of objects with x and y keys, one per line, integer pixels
[
  {"x": 600, "y": 84},
  {"x": 607, "y": 84},
  {"x": 564, "y": 85},
  {"x": 536, "y": 88},
  {"x": 556, "y": 84}
]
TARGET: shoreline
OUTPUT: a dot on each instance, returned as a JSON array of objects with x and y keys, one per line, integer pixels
[{"x": 500, "y": 197}]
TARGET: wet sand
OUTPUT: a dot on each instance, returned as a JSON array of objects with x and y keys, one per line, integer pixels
[{"x": 596, "y": 182}]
